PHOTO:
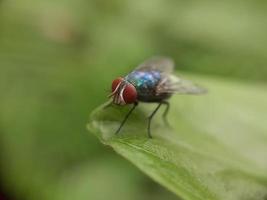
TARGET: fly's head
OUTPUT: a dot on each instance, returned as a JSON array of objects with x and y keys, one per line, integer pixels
[{"x": 123, "y": 92}]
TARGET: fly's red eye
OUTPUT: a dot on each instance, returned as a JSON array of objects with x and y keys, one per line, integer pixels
[
  {"x": 115, "y": 83},
  {"x": 129, "y": 94}
]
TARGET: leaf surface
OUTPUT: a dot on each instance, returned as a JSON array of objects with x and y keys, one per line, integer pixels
[{"x": 216, "y": 147}]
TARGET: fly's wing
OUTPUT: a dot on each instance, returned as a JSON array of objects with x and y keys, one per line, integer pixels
[
  {"x": 161, "y": 64},
  {"x": 171, "y": 84}
]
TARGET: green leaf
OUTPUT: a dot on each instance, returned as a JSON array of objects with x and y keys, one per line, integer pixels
[{"x": 216, "y": 147}]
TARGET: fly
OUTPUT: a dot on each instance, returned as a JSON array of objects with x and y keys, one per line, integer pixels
[{"x": 151, "y": 82}]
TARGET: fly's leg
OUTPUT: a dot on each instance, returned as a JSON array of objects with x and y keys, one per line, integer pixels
[
  {"x": 150, "y": 118},
  {"x": 164, "y": 116},
  {"x": 126, "y": 117},
  {"x": 107, "y": 104}
]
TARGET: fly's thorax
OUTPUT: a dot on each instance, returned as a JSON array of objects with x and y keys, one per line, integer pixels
[{"x": 144, "y": 79}]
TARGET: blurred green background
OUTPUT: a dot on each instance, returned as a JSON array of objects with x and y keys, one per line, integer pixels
[{"x": 57, "y": 60}]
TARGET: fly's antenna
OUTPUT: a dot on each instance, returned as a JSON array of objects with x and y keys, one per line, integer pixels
[
  {"x": 121, "y": 94},
  {"x": 115, "y": 91}
]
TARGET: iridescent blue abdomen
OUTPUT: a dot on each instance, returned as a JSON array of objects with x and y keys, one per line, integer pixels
[{"x": 145, "y": 83}]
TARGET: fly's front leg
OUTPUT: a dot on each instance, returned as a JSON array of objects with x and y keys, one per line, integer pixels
[
  {"x": 108, "y": 104},
  {"x": 127, "y": 116}
]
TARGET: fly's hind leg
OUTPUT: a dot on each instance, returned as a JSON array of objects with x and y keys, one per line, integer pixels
[{"x": 164, "y": 116}]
